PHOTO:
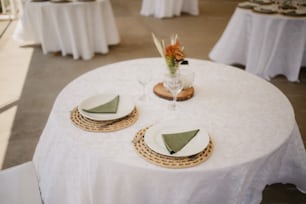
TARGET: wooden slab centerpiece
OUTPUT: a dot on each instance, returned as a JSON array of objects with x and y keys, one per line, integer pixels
[{"x": 162, "y": 92}]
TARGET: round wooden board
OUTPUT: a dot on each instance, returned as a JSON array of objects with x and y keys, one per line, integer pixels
[{"x": 162, "y": 92}]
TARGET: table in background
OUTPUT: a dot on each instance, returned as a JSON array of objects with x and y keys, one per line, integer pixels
[
  {"x": 77, "y": 28},
  {"x": 268, "y": 45},
  {"x": 169, "y": 8},
  {"x": 252, "y": 123}
]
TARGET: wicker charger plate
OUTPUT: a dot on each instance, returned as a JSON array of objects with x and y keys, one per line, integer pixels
[
  {"x": 166, "y": 161},
  {"x": 103, "y": 126},
  {"x": 293, "y": 13},
  {"x": 162, "y": 92},
  {"x": 264, "y": 10}
]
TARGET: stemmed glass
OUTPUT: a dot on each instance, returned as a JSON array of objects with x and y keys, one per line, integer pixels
[
  {"x": 174, "y": 84},
  {"x": 144, "y": 77}
]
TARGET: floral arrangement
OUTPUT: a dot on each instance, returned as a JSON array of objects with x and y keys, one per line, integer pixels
[{"x": 173, "y": 53}]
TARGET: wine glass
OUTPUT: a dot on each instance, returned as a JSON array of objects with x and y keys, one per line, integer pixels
[
  {"x": 174, "y": 84},
  {"x": 144, "y": 77}
]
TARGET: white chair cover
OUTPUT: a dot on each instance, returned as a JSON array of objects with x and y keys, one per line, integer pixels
[{"x": 18, "y": 185}]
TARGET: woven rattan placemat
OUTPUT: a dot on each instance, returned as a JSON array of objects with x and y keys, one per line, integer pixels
[
  {"x": 166, "y": 161},
  {"x": 102, "y": 126}
]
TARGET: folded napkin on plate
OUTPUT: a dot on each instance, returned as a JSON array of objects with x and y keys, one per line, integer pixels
[
  {"x": 176, "y": 141},
  {"x": 109, "y": 107}
]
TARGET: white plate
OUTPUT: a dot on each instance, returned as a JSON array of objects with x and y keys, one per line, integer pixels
[
  {"x": 125, "y": 106},
  {"x": 153, "y": 137}
]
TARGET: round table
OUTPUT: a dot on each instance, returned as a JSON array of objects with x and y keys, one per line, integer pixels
[
  {"x": 252, "y": 124},
  {"x": 267, "y": 44},
  {"x": 78, "y": 28}
]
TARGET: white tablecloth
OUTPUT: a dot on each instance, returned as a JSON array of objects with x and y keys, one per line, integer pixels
[
  {"x": 168, "y": 8},
  {"x": 252, "y": 124},
  {"x": 77, "y": 28},
  {"x": 268, "y": 45}
]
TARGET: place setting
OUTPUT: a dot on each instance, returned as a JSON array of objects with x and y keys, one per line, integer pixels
[
  {"x": 284, "y": 7},
  {"x": 174, "y": 144},
  {"x": 294, "y": 8},
  {"x": 251, "y": 4},
  {"x": 105, "y": 113},
  {"x": 266, "y": 9},
  {"x": 260, "y": 6},
  {"x": 298, "y": 11}
]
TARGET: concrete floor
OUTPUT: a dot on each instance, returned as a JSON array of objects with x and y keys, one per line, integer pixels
[{"x": 30, "y": 81}]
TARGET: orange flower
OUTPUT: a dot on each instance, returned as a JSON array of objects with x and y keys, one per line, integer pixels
[{"x": 172, "y": 53}]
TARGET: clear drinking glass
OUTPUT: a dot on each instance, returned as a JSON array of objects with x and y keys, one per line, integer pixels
[
  {"x": 174, "y": 84},
  {"x": 144, "y": 78}
]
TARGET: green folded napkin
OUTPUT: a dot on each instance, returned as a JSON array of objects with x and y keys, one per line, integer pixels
[
  {"x": 109, "y": 107},
  {"x": 176, "y": 141}
]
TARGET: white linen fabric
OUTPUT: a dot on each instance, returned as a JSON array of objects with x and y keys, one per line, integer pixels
[
  {"x": 268, "y": 45},
  {"x": 252, "y": 123},
  {"x": 77, "y": 28},
  {"x": 168, "y": 8},
  {"x": 19, "y": 185}
]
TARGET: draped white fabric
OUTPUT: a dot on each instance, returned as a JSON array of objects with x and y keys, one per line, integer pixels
[
  {"x": 252, "y": 124},
  {"x": 19, "y": 185},
  {"x": 78, "y": 28},
  {"x": 169, "y": 8},
  {"x": 268, "y": 45}
]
